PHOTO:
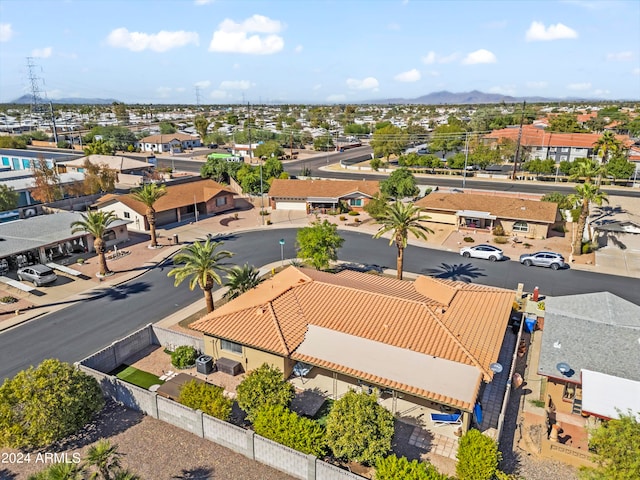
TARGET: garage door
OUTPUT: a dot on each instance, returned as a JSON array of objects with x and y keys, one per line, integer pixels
[{"x": 301, "y": 206}]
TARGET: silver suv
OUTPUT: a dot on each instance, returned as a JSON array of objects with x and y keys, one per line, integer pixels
[
  {"x": 543, "y": 259},
  {"x": 38, "y": 274}
]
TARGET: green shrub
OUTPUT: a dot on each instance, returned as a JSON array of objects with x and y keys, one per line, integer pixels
[
  {"x": 353, "y": 213},
  {"x": 500, "y": 240},
  {"x": 8, "y": 299},
  {"x": 540, "y": 305},
  {"x": 262, "y": 387},
  {"x": 469, "y": 239},
  {"x": 80, "y": 261},
  {"x": 206, "y": 397},
  {"x": 586, "y": 248},
  {"x": 537, "y": 403},
  {"x": 527, "y": 245},
  {"x": 264, "y": 213},
  {"x": 393, "y": 468},
  {"x": 281, "y": 425},
  {"x": 269, "y": 222},
  {"x": 498, "y": 231},
  {"x": 342, "y": 218},
  {"x": 184, "y": 356},
  {"x": 478, "y": 457}
]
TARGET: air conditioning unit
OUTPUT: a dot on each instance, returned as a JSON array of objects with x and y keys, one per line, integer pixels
[{"x": 29, "y": 212}]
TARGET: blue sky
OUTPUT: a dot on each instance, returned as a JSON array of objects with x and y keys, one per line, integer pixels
[{"x": 159, "y": 51}]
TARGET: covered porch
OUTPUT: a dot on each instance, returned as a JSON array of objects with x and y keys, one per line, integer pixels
[{"x": 475, "y": 219}]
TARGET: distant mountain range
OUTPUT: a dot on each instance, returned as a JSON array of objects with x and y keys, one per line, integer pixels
[
  {"x": 27, "y": 99},
  {"x": 473, "y": 97}
]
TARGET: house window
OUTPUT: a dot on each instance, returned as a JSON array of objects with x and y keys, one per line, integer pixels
[
  {"x": 520, "y": 227},
  {"x": 569, "y": 392},
  {"x": 565, "y": 149},
  {"x": 231, "y": 346},
  {"x": 355, "y": 202},
  {"x": 127, "y": 215},
  {"x": 563, "y": 158},
  {"x": 220, "y": 201}
]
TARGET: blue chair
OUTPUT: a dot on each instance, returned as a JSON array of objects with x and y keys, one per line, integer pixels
[{"x": 440, "y": 419}]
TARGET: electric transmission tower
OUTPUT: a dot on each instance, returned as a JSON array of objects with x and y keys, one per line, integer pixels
[{"x": 37, "y": 106}]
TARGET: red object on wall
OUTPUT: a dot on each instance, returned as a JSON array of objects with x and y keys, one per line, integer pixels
[{"x": 536, "y": 294}]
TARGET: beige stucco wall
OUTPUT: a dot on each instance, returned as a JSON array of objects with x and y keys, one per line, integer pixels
[
  {"x": 138, "y": 221},
  {"x": 555, "y": 389},
  {"x": 437, "y": 217},
  {"x": 250, "y": 358},
  {"x": 536, "y": 230}
]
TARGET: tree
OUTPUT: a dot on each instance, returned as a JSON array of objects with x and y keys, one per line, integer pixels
[
  {"x": 478, "y": 457},
  {"x": 167, "y": 128},
  {"x": 104, "y": 456},
  {"x": 389, "y": 140},
  {"x": 242, "y": 279},
  {"x": 281, "y": 425},
  {"x": 323, "y": 143},
  {"x": 121, "y": 113},
  {"x": 8, "y": 198},
  {"x": 220, "y": 170},
  {"x": 400, "y": 184},
  {"x": 98, "y": 178},
  {"x": 272, "y": 168},
  {"x": 96, "y": 223},
  {"x": 449, "y": 137},
  {"x": 249, "y": 179},
  {"x": 201, "y": 261},
  {"x": 377, "y": 206},
  {"x": 206, "y": 397},
  {"x": 619, "y": 167},
  {"x": 540, "y": 167},
  {"x": 7, "y": 141},
  {"x": 585, "y": 168},
  {"x": 269, "y": 149},
  {"x": 606, "y": 146},
  {"x": 401, "y": 219},
  {"x": 46, "y": 181},
  {"x": 262, "y": 387},
  {"x": 100, "y": 147},
  {"x": 565, "y": 123},
  {"x": 318, "y": 244},
  {"x": 44, "y": 404},
  {"x": 61, "y": 471},
  {"x": 148, "y": 195},
  {"x": 201, "y": 124},
  {"x": 358, "y": 428},
  {"x": 585, "y": 195},
  {"x": 560, "y": 198},
  {"x": 395, "y": 468},
  {"x": 617, "y": 447}
]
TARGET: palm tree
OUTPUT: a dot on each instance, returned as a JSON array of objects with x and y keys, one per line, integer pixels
[
  {"x": 402, "y": 219},
  {"x": 96, "y": 223},
  {"x": 60, "y": 471},
  {"x": 585, "y": 195},
  {"x": 585, "y": 168},
  {"x": 606, "y": 146},
  {"x": 201, "y": 260},
  {"x": 105, "y": 458},
  {"x": 242, "y": 279},
  {"x": 149, "y": 194}
]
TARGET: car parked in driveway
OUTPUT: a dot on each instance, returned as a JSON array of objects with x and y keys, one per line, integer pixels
[
  {"x": 38, "y": 274},
  {"x": 487, "y": 252},
  {"x": 543, "y": 259}
]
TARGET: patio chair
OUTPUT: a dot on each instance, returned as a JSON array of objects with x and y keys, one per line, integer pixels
[{"x": 440, "y": 419}]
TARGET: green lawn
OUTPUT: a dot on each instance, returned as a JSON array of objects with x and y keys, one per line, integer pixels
[{"x": 137, "y": 377}]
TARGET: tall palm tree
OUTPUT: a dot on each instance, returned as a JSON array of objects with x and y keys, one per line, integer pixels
[
  {"x": 402, "y": 219},
  {"x": 149, "y": 194},
  {"x": 585, "y": 195},
  {"x": 200, "y": 262},
  {"x": 242, "y": 279},
  {"x": 104, "y": 456},
  {"x": 585, "y": 168},
  {"x": 606, "y": 146},
  {"x": 96, "y": 223}
]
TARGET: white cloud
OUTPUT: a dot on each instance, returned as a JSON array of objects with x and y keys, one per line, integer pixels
[
  {"x": 336, "y": 98},
  {"x": 369, "y": 83},
  {"x": 412, "y": 75},
  {"x": 601, "y": 92},
  {"x": 479, "y": 56},
  {"x": 429, "y": 58},
  {"x": 541, "y": 84},
  {"x": 202, "y": 84},
  {"x": 538, "y": 32},
  {"x": 6, "y": 32},
  {"x": 219, "y": 94},
  {"x": 203, "y": 2},
  {"x": 42, "y": 52},
  {"x": 235, "y": 85},
  {"x": 503, "y": 89},
  {"x": 158, "y": 42},
  {"x": 163, "y": 92},
  {"x": 298, "y": 48},
  {"x": 579, "y": 86},
  {"x": 620, "y": 56},
  {"x": 232, "y": 37}
]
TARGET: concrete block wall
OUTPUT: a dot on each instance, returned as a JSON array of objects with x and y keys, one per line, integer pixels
[
  {"x": 179, "y": 415},
  {"x": 168, "y": 338},
  {"x": 228, "y": 435},
  {"x": 285, "y": 459},
  {"x": 110, "y": 357},
  {"x": 326, "y": 471}
]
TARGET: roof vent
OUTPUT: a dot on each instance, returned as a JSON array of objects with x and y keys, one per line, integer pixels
[
  {"x": 260, "y": 311},
  {"x": 557, "y": 344}
]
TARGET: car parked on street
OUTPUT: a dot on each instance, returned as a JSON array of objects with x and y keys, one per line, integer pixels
[
  {"x": 487, "y": 252},
  {"x": 551, "y": 260},
  {"x": 38, "y": 274}
]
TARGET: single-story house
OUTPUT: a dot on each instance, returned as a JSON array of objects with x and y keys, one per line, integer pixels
[
  {"x": 312, "y": 195},
  {"x": 430, "y": 340},
  {"x": 590, "y": 356},
  {"x": 130, "y": 171},
  {"x": 22, "y": 182},
  {"x": 173, "y": 143},
  {"x": 530, "y": 218},
  {"x": 183, "y": 201},
  {"x": 616, "y": 226}
]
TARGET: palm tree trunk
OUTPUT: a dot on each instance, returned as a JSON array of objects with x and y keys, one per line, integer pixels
[
  {"x": 582, "y": 221},
  {"x": 98, "y": 244},
  {"x": 400, "y": 262},
  {"x": 208, "y": 298},
  {"x": 151, "y": 218}
]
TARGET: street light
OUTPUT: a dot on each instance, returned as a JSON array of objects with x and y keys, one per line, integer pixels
[{"x": 281, "y": 252}]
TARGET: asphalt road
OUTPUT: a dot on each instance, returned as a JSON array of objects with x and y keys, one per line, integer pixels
[{"x": 112, "y": 313}]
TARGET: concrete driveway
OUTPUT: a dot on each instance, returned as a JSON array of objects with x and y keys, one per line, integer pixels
[{"x": 624, "y": 262}]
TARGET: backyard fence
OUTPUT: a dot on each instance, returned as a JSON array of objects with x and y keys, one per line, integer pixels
[{"x": 245, "y": 442}]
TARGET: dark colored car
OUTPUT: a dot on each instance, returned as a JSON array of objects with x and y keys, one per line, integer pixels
[{"x": 551, "y": 260}]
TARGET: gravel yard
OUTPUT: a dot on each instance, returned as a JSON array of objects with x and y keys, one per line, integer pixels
[{"x": 154, "y": 450}]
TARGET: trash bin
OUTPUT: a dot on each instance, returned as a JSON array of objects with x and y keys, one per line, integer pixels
[
  {"x": 175, "y": 239},
  {"x": 204, "y": 364}
]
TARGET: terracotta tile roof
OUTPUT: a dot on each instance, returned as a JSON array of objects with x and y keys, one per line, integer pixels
[
  {"x": 178, "y": 195},
  {"x": 465, "y": 324},
  {"x": 287, "y": 188},
  {"x": 502, "y": 207},
  {"x": 181, "y": 137},
  {"x": 537, "y": 137}
]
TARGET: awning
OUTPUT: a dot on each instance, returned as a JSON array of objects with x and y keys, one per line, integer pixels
[
  {"x": 475, "y": 214},
  {"x": 603, "y": 395}
]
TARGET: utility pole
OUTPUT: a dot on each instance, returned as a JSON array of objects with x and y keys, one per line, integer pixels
[
  {"x": 466, "y": 159},
  {"x": 197, "y": 98},
  {"x": 515, "y": 159},
  {"x": 249, "y": 127},
  {"x": 53, "y": 124}
]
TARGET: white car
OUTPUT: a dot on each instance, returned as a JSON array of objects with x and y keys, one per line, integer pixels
[{"x": 487, "y": 252}]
